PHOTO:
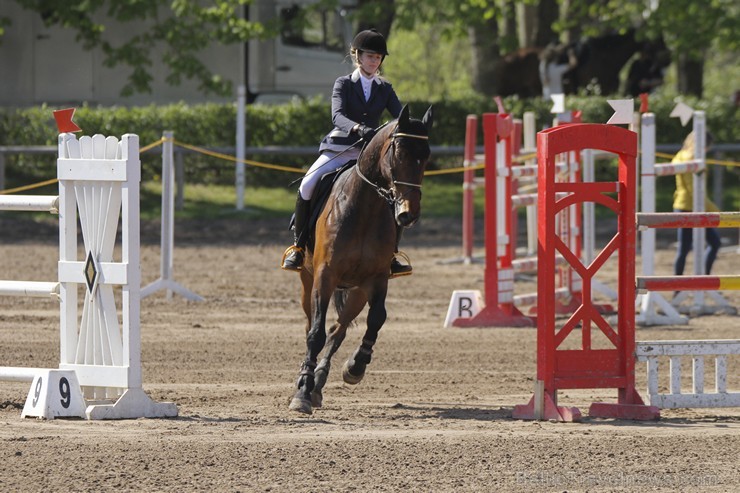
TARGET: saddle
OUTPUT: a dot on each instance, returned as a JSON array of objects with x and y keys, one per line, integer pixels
[{"x": 320, "y": 196}]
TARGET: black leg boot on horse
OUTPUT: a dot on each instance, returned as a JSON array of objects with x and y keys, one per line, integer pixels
[
  {"x": 294, "y": 254},
  {"x": 397, "y": 268}
]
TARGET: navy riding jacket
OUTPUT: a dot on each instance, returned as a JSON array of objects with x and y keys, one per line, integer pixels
[{"x": 348, "y": 107}]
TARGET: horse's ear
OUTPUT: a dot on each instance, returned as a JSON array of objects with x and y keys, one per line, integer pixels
[
  {"x": 403, "y": 119},
  {"x": 428, "y": 119}
]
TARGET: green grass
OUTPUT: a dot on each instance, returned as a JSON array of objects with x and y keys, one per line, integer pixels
[
  {"x": 218, "y": 201},
  {"x": 440, "y": 199}
]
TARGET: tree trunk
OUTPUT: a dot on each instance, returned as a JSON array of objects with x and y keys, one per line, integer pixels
[
  {"x": 376, "y": 14},
  {"x": 547, "y": 13},
  {"x": 484, "y": 40},
  {"x": 573, "y": 34},
  {"x": 510, "y": 38},
  {"x": 690, "y": 75},
  {"x": 527, "y": 24}
]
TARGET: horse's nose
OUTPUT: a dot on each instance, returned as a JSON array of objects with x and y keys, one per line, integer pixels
[
  {"x": 406, "y": 219},
  {"x": 406, "y": 215}
]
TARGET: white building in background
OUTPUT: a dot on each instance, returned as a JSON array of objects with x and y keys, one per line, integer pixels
[{"x": 40, "y": 64}]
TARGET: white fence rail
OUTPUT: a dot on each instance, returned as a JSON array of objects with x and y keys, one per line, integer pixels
[{"x": 655, "y": 352}]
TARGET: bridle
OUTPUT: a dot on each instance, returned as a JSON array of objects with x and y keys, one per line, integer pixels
[{"x": 390, "y": 195}]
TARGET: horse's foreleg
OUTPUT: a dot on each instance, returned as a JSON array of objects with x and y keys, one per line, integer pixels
[
  {"x": 336, "y": 336},
  {"x": 352, "y": 307},
  {"x": 315, "y": 341},
  {"x": 354, "y": 367}
]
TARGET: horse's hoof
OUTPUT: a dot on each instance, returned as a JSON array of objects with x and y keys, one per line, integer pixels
[
  {"x": 301, "y": 405},
  {"x": 320, "y": 376},
  {"x": 349, "y": 377},
  {"x": 317, "y": 399}
]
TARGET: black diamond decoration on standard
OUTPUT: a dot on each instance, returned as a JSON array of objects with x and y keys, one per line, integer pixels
[{"x": 91, "y": 273}]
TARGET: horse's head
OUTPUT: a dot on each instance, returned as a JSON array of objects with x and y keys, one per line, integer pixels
[{"x": 404, "y": 157}]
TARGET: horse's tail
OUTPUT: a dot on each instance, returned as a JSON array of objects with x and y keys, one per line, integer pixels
[{"x": 340, "y": 298}]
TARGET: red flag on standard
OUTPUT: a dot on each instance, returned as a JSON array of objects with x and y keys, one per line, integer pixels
[
  {"x": 64, "y": 121},
  {"x": 644, "y": 107},
  {"x": 499, "y": 104}
]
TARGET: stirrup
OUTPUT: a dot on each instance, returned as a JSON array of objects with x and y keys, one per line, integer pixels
[
  {"x": 408, "y": 269},
  {"x": 288, "y": 251}
]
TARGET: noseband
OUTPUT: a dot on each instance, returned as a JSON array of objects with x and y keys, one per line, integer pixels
[{"x": 391, "y": 195}]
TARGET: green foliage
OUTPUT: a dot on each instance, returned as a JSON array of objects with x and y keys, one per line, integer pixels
[
  {"x": 4, "y": 22},
  {"x": 688, "y": 26},
  {"x": 297, "y": 124},
  {"x": 414, "y": 66}
]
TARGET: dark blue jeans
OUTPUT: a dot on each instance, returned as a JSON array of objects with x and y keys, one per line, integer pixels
[{"x": 685, "y": 240}]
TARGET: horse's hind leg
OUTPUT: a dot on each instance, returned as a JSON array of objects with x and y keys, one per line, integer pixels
[
  {"x": 354, "y": 367},
  {"x": 353, "y": 305}
]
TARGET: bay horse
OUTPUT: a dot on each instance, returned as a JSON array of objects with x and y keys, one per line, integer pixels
[{"x": 354, "y": 242}]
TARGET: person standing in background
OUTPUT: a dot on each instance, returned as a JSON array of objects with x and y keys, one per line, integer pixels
[{"x": 683, "y": 199}]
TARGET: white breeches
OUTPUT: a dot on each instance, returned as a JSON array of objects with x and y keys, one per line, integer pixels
[{"x": 327, "y": 161}]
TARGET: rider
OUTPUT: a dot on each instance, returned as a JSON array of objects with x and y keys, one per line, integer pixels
[{"x": 357, "y": 102}]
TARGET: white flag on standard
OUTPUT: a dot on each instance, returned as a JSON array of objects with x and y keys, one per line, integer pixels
[{"x": 623, "y": 109}]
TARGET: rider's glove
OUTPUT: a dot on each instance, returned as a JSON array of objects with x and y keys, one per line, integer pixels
[{"x": 367, "y": 133}]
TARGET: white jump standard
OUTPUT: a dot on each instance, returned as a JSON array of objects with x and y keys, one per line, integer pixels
[{"x": 99, "y": 179}]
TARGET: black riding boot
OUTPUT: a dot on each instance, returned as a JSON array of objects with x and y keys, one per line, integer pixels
[
  {"x": 294, "y": 255},
  {"x": 397, "y": 268}
]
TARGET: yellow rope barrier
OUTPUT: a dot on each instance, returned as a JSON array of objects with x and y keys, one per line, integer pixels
[
  {"x": 235, "y": 159},
  {"x": 29, "y": 187},
  {"x": 152, "y": 145},
  {"x": 293, "y": 170},
  {"x": 524, "y": 157},
  {"x": 227, "y": 157},
  {"x": 453, "y": 170},
  {"x": 708, "y": 161}
]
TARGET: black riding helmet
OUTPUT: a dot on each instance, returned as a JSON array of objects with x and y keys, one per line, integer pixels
[{"x": 370, "y": 41}]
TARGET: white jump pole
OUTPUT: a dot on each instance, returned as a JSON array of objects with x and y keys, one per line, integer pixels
[
  {"x": 30, "y": 203},
  {"x": 529, "y": 135},
  {"x": 240, "y": 146},
  {"x": 167, "y": 242},
  {"x": 589, "y": 225},
  {"x": 31, "y": 289},
  {"x": 34, "y": 203},
  {"x": 650, "y": 302}
]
